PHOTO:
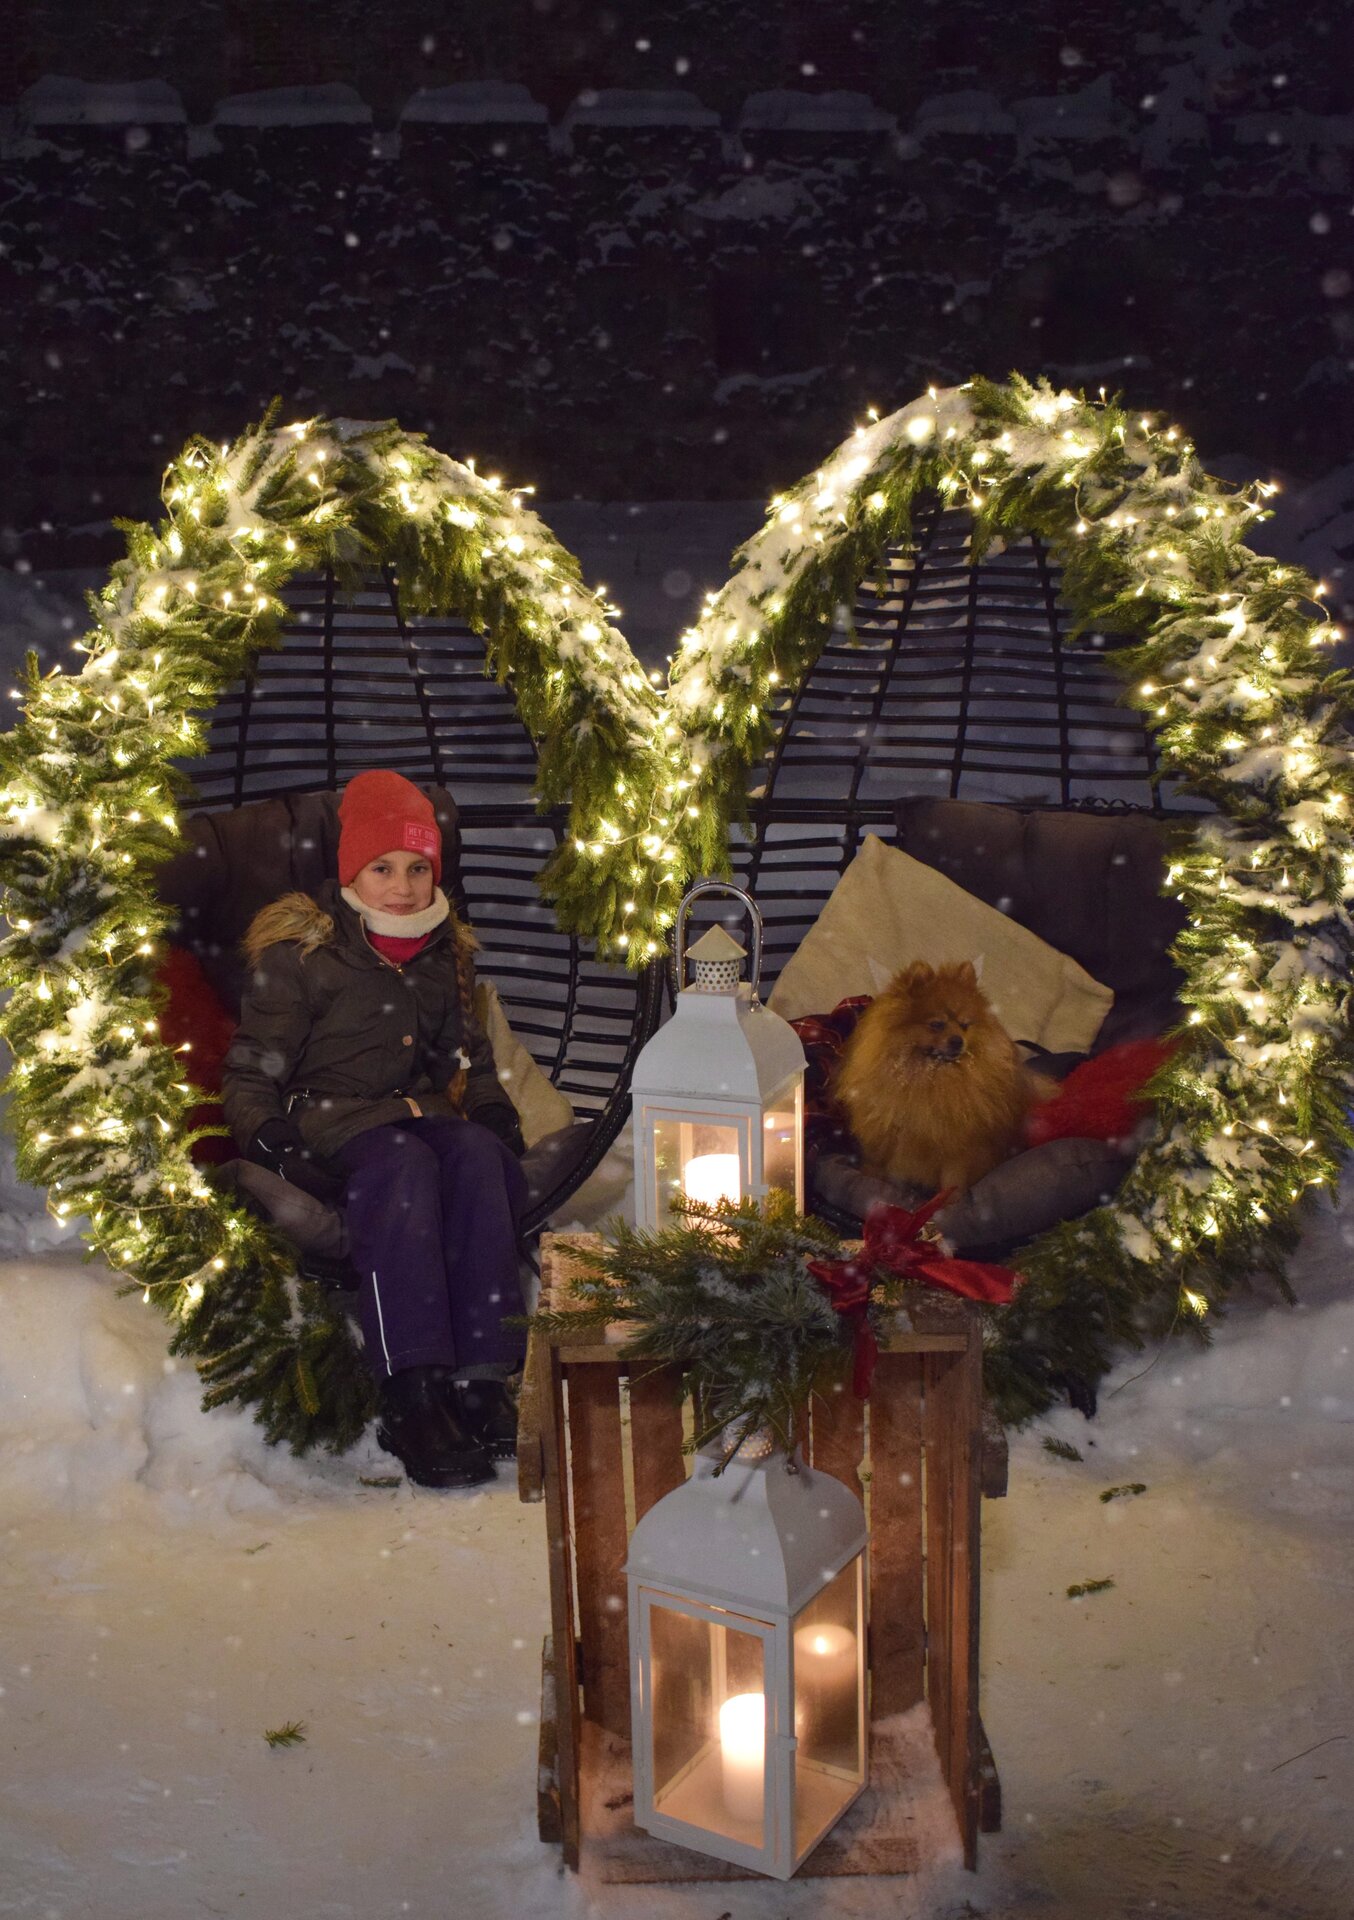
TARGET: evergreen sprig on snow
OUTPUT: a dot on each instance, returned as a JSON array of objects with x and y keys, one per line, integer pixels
[
  {"x": 1231, "y": 675},
  {"x": 726, "y": 1296},
  {"x": 89, "y": 787}
]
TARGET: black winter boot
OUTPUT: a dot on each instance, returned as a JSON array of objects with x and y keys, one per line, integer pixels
[
  {"x": 489, "y": 1411},
  {"x": 419, "y": 1428}
]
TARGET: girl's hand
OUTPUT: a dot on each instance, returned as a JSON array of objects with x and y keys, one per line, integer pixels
[
  {"x": 502, "y": 1121},
  {"x": 279, "y": 1147}
]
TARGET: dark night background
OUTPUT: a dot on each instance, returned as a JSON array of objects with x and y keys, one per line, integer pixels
[{"x": 691, "y": 298}]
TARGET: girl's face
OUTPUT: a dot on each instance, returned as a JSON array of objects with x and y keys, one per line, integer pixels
[{"x": 396, "y": 883}]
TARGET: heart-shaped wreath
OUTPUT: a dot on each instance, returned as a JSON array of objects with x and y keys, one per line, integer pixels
[{"x": 1230, "y": 671}]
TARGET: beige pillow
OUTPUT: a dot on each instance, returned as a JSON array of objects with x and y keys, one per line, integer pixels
[
  {"x": 541, "y": 1107},
  {"x": 888, "y": 909}
]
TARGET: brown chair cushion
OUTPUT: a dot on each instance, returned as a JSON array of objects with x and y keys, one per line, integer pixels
[
  {"x": 236, "y": 862},
  {"x": 1088, "y": 884}
]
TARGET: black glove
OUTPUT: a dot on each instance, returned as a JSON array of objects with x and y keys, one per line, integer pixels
[
  {"x": 502, "y": 1121},
  {"x": 279, "y": 1147}
]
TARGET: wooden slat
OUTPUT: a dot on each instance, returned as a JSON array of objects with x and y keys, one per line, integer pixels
[
  {"x": 599, "y": 1535},
  {"x": 896, "y": 1645},
  {"x": 655, "y": 1435},
  {"x": 989, "y": 1786},
  {"x": 938, "y": 1388},
  {"x": 563, "y": 1645},
  {"x": 966, "y": 1414},
  {"x": 952, "y": 1437},
  {"x": 996, "y": 1457},
  {"x": 549, "y": 1812},
  {"x": 838, "y": 1439},
  {"x": 587, "y": 1348},
  {"x": 530, "y": 1436}
]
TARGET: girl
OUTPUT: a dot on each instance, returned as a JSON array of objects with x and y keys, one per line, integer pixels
[{"x": 359, "y": 1072}]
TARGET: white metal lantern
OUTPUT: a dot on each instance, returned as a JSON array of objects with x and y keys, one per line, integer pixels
[
  {"x": 747, "y": 1659},
  {"x": 718, "y": 1091}
]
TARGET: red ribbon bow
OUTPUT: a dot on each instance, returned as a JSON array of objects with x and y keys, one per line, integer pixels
[{"x": 893, "y": 1241}]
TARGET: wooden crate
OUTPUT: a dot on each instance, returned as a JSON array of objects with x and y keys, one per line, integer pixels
[{"x": 601, "y": 1448}]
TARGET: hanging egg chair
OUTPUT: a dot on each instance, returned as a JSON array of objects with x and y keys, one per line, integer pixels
[
  {"x": 953, "y": 719},
  {"x": 358, "y": 683}
]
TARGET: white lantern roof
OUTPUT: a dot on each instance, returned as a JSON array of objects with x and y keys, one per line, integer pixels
[
  {"x": 753, "y": 1536},
  {"x": 716, "y": 943},
  {"x": 720, "y": 1046}
]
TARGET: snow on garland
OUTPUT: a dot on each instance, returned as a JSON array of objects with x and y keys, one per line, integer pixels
[
  {"x": 1229, "y": 673},
  {"x": 88, "y": 791},
  {"x": 1230, "y": 676}
]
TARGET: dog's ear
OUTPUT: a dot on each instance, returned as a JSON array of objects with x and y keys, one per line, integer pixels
[
  {"x": 966, "y": 974},
  {"x": 912, "y": 975}
]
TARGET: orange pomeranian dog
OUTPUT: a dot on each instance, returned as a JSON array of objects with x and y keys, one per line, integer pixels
[{"x": 931, "y": 1082}]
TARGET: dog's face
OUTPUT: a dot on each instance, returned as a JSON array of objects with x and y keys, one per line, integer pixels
[{"x": 937, "y": 1016}]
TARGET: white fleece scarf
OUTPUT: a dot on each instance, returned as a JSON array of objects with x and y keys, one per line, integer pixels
[{"x": 403, "y": 926}]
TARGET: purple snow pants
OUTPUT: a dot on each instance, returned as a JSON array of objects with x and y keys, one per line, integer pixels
[{"x": 432, "y": 1208}]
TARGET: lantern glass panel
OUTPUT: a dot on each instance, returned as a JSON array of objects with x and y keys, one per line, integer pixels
[
  {"x": 700, "y": 1158},
  {"x": 829, "y": 1721},
  {"x": 708, "y": 1721},
  {"x": 780, "y": 1150}
]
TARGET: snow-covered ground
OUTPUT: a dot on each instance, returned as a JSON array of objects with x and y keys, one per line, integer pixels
[{"x": 1179, "y": 1745}]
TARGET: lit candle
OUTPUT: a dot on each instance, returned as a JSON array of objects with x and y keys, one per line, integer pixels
[
  {"x": 742, "y": 1751},
  {"x": 825, "y": 1658},
  {"x": 712, "y": 1177}
]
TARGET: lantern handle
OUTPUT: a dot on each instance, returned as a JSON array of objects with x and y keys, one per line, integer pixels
[{"x": 754, "y": 914}]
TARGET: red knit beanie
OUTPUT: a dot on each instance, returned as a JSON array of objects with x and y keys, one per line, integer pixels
[{"x": 382, "y": 812}]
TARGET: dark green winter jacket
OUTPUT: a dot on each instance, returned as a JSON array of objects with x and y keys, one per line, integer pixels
[{"x": 340, "y": 1040}]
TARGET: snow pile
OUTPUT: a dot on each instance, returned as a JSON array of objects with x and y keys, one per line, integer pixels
[
  {"x": 1265, "y": 1411},
  {"x": 97, "y": 1421}
]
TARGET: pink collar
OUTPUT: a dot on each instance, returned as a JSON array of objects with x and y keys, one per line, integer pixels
[{"x": 397, "y": 950}]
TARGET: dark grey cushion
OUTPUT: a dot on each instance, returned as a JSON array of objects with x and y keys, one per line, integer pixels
[
  {"x": 1024, "y": 1196},
  {"x": 552, "y": 1160},
  {"x": 1088, "y": 884},
  {"x": 310, "y": 1225}
]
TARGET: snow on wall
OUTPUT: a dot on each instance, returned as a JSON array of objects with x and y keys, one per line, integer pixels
[
  {"x": 331, "y": 105},
  {"x": 637, "y": 107},
  {"x": 57, "y": 101},
  {"x": 786, "y": 110},
  {"x": 474, "y": 103}
]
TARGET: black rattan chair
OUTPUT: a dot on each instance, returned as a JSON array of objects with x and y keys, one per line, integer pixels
[
  {"x": 958, "y": 683},
  {"x": 356, "y": 685}
]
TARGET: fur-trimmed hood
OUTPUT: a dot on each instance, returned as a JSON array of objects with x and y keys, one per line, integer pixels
[
  {"x": 305, "y": 922},
  {"x": 294, "y": 917}
]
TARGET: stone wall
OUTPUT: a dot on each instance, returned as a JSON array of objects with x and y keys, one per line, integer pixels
[{"x": 642, "y": 296}]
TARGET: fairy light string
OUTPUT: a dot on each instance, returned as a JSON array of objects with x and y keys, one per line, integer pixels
[{"x": 1229, "y": 664}]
